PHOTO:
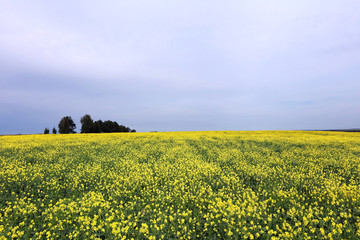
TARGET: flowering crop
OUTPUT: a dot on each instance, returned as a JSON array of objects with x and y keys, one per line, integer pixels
[{"x": 181, "y": 185}]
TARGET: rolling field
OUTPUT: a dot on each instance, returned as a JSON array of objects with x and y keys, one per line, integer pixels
[{"x": 181, "y": 185}]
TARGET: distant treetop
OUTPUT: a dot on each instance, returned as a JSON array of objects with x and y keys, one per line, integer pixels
[
  {"x": 89, "y": 126},
  {"x": 66, "y": 125}
]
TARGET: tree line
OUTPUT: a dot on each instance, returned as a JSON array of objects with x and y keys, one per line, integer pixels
[{"x": 88, "y": 125}]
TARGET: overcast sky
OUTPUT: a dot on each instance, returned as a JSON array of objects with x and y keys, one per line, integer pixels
[{"x": 180, "y": 65}]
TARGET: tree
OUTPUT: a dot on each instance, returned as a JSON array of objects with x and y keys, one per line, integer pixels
[
  {"x": 46, "y": 131},
  {"x": 109, "y": 126},
  {"x": 54, "y": 130},
  {"x": 97, "y": 126},
  {"x": 124, "y": 129},
  {"x": 87, "y": 124},
  {"x": 66, "y": 125}
]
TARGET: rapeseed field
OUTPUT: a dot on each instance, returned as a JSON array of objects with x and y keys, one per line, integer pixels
[{"x": 181, "y": 185}]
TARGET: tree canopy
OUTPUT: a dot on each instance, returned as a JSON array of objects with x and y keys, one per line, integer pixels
[
  {"x": 66, "y": 125},
  {"x": 99, "y": 126},
  {"x": 87, "y": 124}
]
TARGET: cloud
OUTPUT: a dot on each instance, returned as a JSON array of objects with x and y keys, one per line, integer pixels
[{"x": 181, "y": 64}]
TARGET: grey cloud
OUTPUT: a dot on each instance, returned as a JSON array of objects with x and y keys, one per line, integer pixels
[{"x": 181, "y": 65}]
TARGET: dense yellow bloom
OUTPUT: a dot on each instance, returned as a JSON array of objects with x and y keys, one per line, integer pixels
[{"x": 181, "y": 185}]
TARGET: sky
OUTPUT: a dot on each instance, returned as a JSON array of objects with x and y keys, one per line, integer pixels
[{"x": 180, "y": 65}]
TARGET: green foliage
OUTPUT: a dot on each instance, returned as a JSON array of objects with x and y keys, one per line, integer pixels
[
  {"x": 66, "y": 125},
  {"x": 87, "y": 124},
  {"x": 97, "y": 126},
  {"x": 46, "y": 131}
]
